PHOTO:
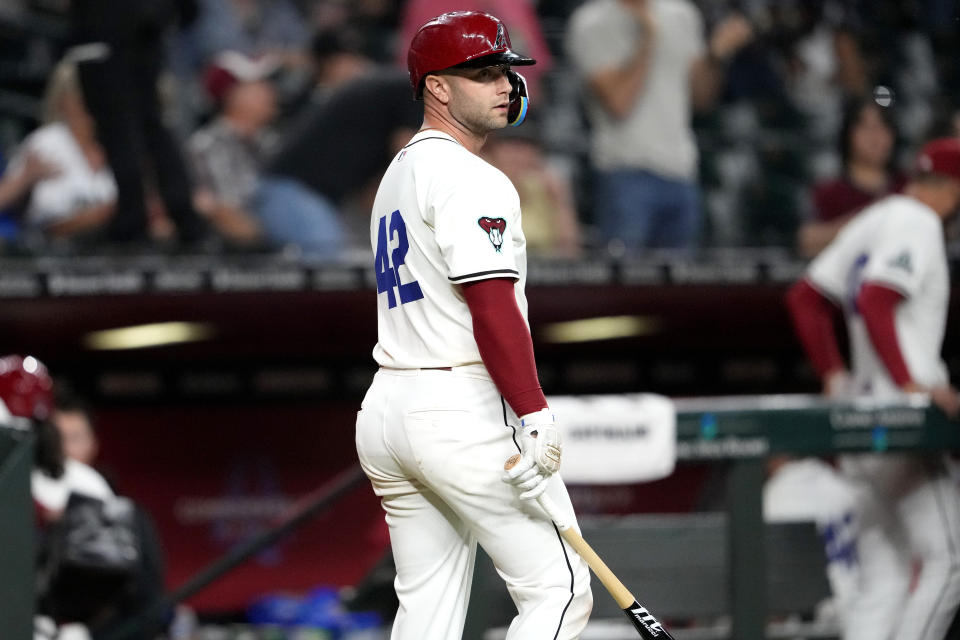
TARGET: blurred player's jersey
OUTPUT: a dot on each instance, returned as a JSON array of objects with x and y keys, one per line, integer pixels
[
  {"x": 442, "y": 217},
  {"x": 898, "y": 243}
]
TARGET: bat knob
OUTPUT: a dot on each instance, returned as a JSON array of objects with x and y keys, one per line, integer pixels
[{"x": 511, "y": 462}]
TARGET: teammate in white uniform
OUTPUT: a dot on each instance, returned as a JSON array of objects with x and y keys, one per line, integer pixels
[
  {"x": 887, "y": 270},
  {"x": 456, "y": 358}
]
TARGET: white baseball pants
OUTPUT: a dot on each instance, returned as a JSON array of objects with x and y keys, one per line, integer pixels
[
  {"x": 433, "y": 444},
  {"x": 909, "y": 520}
]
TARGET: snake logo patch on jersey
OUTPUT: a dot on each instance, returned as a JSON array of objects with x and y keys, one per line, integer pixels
[
  {"x": 902, "y": 261},
  {"x": 494, "y": 228}
]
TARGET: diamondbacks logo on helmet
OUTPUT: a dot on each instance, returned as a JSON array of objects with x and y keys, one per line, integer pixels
[
  {"x": 500, "y": 42},
  {"x": 494, "y": 228}
]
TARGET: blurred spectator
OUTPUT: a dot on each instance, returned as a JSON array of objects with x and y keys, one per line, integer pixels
[
  {"x": 867, "y": 141},
  {"x": 821, "y": 57},
  {"x": 26, "y": 395},
  {"x": 771, "y": 200},
  {"x": 73, "y": 194},
  {"x": 894, "y": 38},
  {"x": 341, "y": 147},
  {"x": 252, "y": 27},
  {"x": 525, "y": 31},
  {"x": 228, "y": 156},
  {"x": 375, "y": 21},
  {"x": 99, "y": 558},
  {"x": 72, "y": 419},
  {"x": 119, "y": 58},
  {"x": 26, "y": 401},
  {"x": 278, "y": 29},
  {"x": 15, "y": 185},
  {"x": 338, "y": 57},
  {"x": 58, "y": 476},
  {"x": 645, "y": 65},
  {"x": 550, "y": 222}
]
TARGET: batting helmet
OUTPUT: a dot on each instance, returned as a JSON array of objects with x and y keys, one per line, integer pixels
[
  {"x": 940, "y": 156},
  {"x": 467, "y": 39},
  {"x": 26, "y": 389}
]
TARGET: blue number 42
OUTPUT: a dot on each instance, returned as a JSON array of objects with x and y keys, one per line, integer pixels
[{"x": 387, "y": 265}]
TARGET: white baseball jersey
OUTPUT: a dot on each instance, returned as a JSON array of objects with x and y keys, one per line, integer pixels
[
  {"x": 75, "y": 187},
  {"x": 897, "y": 242},
  {"x": 442, "y": 217},
  {"x": 905, "y": 511},
  {"x": 433, "y": 442}
]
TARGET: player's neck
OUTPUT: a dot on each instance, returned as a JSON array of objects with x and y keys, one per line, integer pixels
[
  {"x": 471, "y": 141},
  {"x": 930, "y": 197}
]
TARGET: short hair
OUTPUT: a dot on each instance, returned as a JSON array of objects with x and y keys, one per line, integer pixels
[{"x": 67, "y": 400}]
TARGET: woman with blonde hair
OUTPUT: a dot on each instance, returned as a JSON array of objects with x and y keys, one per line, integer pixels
[{"x": 76, "y": 195}]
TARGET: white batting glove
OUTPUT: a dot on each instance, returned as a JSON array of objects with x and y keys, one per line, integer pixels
[{"x": 540, "y": 450}]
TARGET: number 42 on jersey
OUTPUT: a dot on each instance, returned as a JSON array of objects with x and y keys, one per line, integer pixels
[{"x": 387, "y": 263}]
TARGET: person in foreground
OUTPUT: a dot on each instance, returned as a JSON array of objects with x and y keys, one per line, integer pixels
[
  {"x": 457, "y": 391},
  {"x": 887, "y": 270}
]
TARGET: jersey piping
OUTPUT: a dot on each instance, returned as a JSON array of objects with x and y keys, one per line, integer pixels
[
  {"x": 941, "y": 509},
  {"x": 566, "y": 557},
  {"x": 430, "y": 138},
  {"x": 484, "y": 273},
  {"x": 570, "y": 569}
]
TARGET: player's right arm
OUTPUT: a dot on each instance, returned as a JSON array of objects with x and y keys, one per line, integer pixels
[
  {"x": 475, "y": 216},
  {"x": 906, "y": 248},
  {"x": 877, "y": 304},
  {"x": 814, "y": 317},
  {"x": 506, "y": 349},
  {"x": 505, "y": 344}
]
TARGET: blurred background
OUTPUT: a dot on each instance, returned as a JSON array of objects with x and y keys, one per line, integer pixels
[{"x": 184, "y": 197}]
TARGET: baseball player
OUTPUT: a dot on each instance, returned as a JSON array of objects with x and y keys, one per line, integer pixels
[
  {"x": 457, "y": 391},
  {"x": 887, "y": 270}
]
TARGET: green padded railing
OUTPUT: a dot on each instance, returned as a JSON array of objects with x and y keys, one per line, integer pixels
[{"x": 16, "y": 535}]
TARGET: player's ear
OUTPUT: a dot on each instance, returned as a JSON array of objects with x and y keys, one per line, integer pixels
[{"x": 438, "y": 87}]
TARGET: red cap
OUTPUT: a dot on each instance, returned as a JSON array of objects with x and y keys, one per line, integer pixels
[
  {"x": 459, "y": 39},
  {"x": 940, "y": 156},
  {"x": 26, "y": 389},
  {"x": 230, "y": 68}
]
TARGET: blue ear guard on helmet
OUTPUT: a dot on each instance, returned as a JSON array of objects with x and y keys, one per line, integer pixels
[{"x": 519, "y": 101}]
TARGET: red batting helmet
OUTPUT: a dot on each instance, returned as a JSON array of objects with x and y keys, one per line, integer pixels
[
  {"x": 26, "y": 389},
  {"x": 940, "y": 156},
  {"x": 459, "y": 39}
]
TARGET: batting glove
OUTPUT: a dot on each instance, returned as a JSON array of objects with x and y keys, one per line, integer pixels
[{"x": 540, "y": 449}]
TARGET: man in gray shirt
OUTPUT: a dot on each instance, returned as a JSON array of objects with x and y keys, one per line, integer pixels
[{"x": 646, "y": 65}]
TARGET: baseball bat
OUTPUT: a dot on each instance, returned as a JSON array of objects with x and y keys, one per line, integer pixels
[{"x": 643, "y": 621}]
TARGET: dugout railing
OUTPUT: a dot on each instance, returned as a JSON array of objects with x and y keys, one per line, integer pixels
[{"x": 16, "y": 534}]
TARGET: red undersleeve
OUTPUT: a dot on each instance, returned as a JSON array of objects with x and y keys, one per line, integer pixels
[
  {"x": 505, "y": 344},
  {"x": 813, "y": 319},
  {"x": 877, "y": 304}
]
